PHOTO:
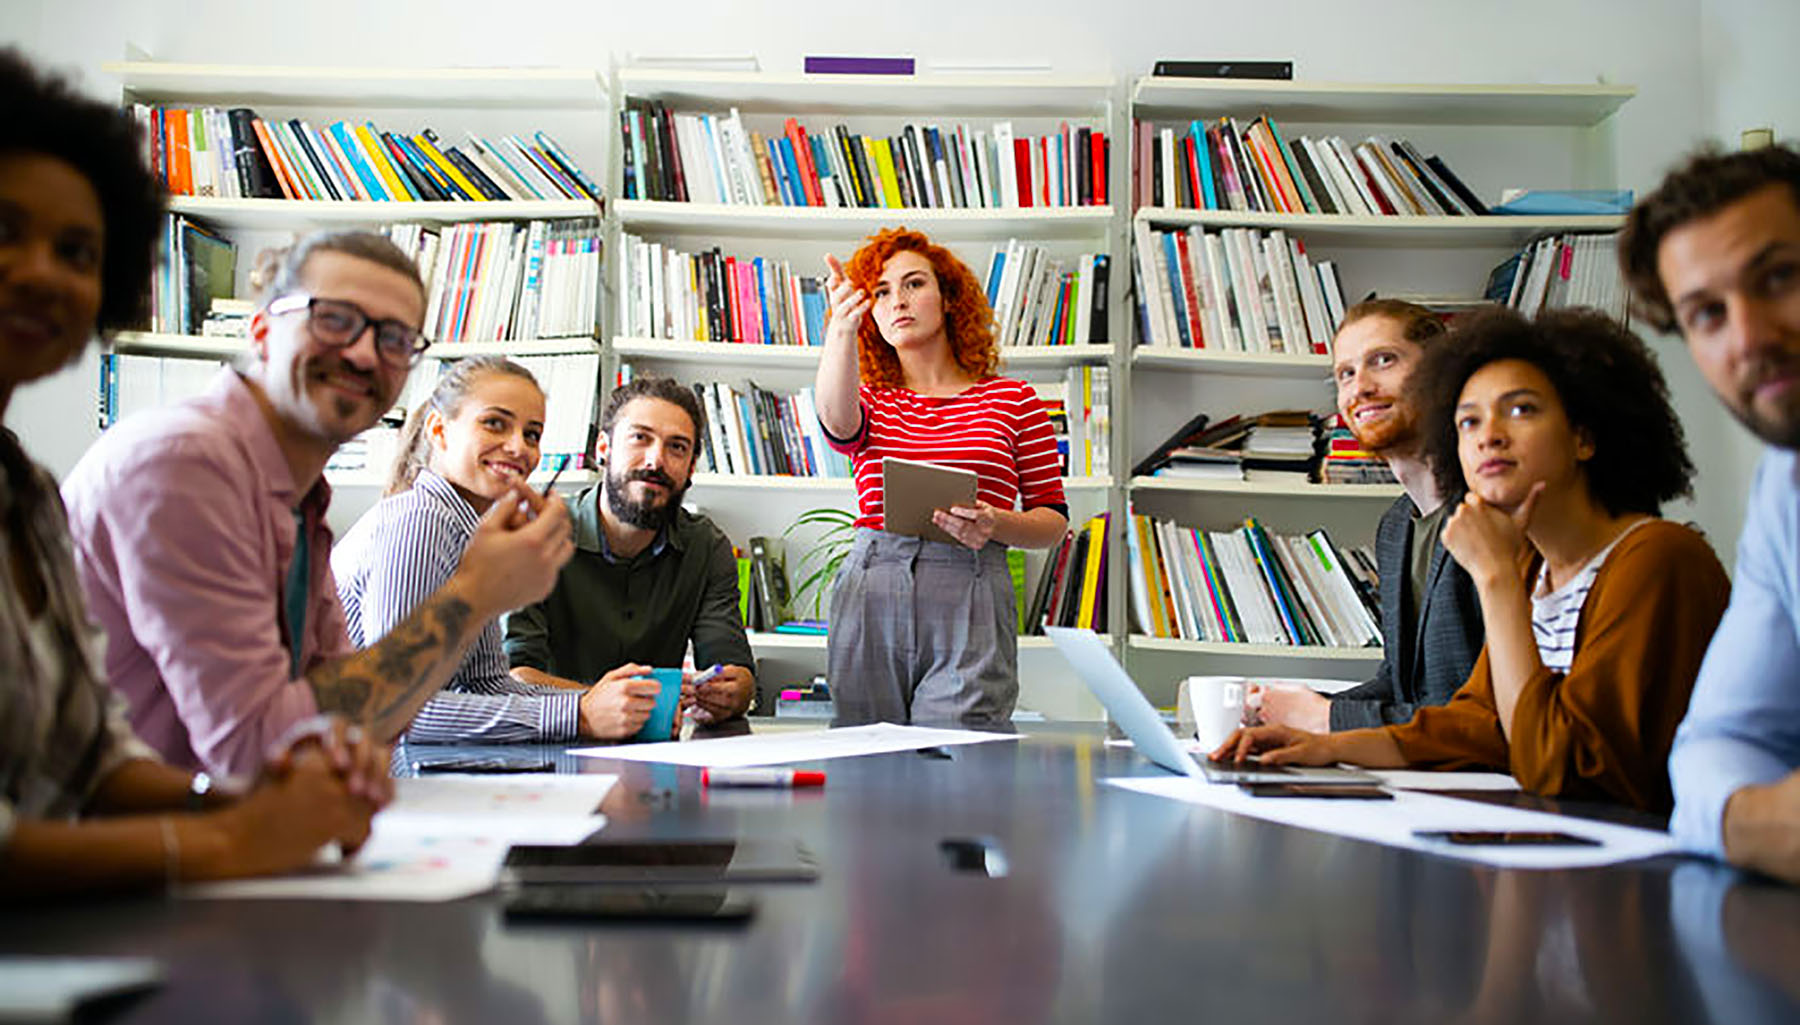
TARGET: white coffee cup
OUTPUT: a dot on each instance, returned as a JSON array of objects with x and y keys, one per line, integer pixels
[{"x": 1216, "y": 706}]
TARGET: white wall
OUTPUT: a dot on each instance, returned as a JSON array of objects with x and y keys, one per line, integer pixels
[{"x": 1698, "y": 65}]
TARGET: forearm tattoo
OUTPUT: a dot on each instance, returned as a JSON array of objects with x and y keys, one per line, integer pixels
[{"x": 386, "y": 679}]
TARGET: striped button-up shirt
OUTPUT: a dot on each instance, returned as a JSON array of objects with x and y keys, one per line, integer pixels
[
  {"x": 62, "y": 730},
  {"x": 394, "y": 558}
]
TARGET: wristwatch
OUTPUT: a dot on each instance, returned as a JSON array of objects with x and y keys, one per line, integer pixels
[{"x": 198, "y": 790}]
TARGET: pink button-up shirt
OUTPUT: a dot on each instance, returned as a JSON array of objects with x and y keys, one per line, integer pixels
[{"x": 183, "y": 521}]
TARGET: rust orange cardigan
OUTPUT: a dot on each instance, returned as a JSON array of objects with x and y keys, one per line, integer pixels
[{"x": 1603, "y": 729}]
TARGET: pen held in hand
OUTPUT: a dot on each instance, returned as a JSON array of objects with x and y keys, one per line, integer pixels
[{"x": 561, "y": 465}]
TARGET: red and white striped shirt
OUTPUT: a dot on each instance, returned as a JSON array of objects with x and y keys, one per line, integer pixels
[{"x": 996, "y": 428}]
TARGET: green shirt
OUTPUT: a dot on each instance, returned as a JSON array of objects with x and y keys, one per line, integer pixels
[
  {"x": 1425, "y": 532},
  {"x": 603, "y": 614}
]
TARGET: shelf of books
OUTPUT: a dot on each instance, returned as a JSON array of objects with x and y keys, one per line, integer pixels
[
  {"x": 1271, "y": 489},
  {"x": 480, "y": 174},
  {"x": 1260, "y": 211},
  {"x": 1576, "y": 106},
  {"x": 1139, "y": 642},
  {"x": 729, "y": 188}
]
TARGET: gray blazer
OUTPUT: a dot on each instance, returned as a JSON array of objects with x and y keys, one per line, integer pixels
[{"x": 1430, "y": 651}]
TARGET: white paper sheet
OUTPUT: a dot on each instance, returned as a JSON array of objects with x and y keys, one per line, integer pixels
[
  {"x": 1414, "y": 779},
  {"x": 442, "y": 838},
  {"x": 783, "y": 747},
  {"x": 49, "y": 989},
  {"x": 1393, "y": 822}
]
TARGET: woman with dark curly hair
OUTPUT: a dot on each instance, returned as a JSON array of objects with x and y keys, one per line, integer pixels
[
  {"x": 1556, "y": 438},
  {"x": 925, "y": 631},
  {"x": 84, "y": 804}
]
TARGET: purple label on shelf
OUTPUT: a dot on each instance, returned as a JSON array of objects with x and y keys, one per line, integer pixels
[{"x": 859, "y": 65}]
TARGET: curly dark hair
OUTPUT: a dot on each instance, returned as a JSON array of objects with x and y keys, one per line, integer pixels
[
  {"x": 42, "y": 113},
  {"x": 968, "y": 320},
  {"x": 1610, "y": 386},
  {"x": 1707, "y": 182}
]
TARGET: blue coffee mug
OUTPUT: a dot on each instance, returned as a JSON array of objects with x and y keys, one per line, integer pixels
[{"x": 661, "y": 723}]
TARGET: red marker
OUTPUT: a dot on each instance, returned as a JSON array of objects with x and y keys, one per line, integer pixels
[{"x": 761, "y": 778}]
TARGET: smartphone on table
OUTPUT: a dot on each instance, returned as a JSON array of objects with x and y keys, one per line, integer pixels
[
  {"x": 429, "y": 764},
  {"x": 1336, "y": 791},
  {"x": 622, "y": 903},
  {"x": 1505, "y": 838}
]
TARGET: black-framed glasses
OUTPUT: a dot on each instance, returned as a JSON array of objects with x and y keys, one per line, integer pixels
[{"x": 337, "y": 323}]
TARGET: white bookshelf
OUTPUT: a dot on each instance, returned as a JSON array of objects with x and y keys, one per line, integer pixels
[
  {"x": 735, "y": 354},
  {"x": 362, "y": 480},
  {"x": 516, "y": 347},
  {"x": 1306, "y": 366},
  {"x": 806, "y": 357},
  {"x": 1266, "y": 489},
  {"x": 752, "y": 482},
  {"x": 148, "y": 343},
  {"x": 927, "y": 96},
  {"x": 272, "y": 214},
  {"x": 573, "y": 105},
  {"x": 1560, "y": 133},
  {"x": 877, "y": 105},
  {"x": 1400, "y": 232},
  {"x": 1573, "y": 105},
  {"x": 363, "y": 86},
  {"x": 843, "y": 485},
  {"x": 650, "y": 216}
]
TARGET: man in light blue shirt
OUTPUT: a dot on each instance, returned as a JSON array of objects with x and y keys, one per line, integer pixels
[{"x": 1715, "y": 252}]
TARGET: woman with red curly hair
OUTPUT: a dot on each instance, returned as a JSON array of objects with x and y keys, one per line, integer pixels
[{"x": 925, "y": 631}]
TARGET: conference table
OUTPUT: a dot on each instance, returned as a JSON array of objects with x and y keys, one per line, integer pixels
[{"x": 1081, "y": 903}]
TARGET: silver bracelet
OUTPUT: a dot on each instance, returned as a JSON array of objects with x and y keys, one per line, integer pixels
[{"x": 171, "y": 845}]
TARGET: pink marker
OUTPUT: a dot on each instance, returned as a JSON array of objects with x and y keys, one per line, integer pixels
[{"x": 761, "y": 778}]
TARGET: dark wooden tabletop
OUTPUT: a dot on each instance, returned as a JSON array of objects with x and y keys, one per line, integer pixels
[{"x": 1112, "y": 907}]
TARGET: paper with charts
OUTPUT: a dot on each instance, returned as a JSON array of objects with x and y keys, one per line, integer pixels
[
  {"x": 1393, "y": 822},
  {"x": 443, "y": 838},
  {"x": 783, "y": 747}
]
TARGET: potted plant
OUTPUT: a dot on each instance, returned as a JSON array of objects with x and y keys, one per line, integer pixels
[{"x": 821, "y": 562}]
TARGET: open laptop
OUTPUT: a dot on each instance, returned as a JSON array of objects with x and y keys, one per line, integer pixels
[{"x": 1128, "y": 707}]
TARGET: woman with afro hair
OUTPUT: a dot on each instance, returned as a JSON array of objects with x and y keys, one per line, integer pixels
[
  {"x": 924, "y": 631},
  {"x": 1555, "y": 443}
]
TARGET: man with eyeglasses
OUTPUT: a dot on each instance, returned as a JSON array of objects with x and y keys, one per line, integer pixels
[{"x": 200, "y": 528}]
